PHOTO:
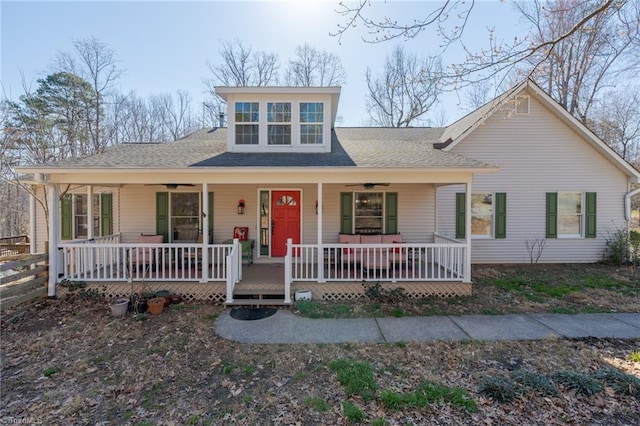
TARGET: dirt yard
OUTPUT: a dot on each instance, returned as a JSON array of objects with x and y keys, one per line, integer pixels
[{"x": 70, "y": 362}]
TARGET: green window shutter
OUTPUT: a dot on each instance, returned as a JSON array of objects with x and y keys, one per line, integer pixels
[
  {"x": 106, "y": 209},
  {"x": 501, "y": 215},
  {"x": 391, "y": 209},
  {"x": 590, "y": 217},
  {"x": 346, "y": 212},
  {"x": 162, "y": 215},
  {"x": 552, "y": 215},
  {"x": 461, "y": 220},
  {"x": 66, "y": 217}
]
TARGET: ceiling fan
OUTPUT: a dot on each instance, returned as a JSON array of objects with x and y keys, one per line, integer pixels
[
  {"x": 369, "y": 185},
  {"x": 170, "y": 185}
]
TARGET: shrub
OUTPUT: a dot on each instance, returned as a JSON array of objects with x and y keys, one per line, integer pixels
[
  {"x": 617, "y": 251},
  {"x": 501, "y": 389},
  {"x": 376, "y": 292},
  {"x": 535, "y": 381},
  {"x": 581, "y": 383},
  {"x": 622, "y": 383}
]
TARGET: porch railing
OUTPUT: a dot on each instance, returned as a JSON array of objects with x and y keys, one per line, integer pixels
[
  {"x": 98, "y": 261},
  {"x": 378, "y": 262}
]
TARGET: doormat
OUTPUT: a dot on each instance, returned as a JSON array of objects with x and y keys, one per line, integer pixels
[{"x": 250, "y": 314}]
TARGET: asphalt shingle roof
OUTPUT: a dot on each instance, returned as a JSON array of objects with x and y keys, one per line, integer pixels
[{"x": 366, "y": 147}]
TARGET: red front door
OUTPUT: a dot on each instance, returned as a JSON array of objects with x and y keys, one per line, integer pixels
[{"x": 285, "y": 221}]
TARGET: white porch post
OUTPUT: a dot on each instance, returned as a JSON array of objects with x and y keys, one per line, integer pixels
[
  {"x": 288, "y": 258},
  {"x": 205, "y": 232},
  {"x": 319, "y": 226},
  {"x": 32, "y": 221},
  {"x": 467, "y": 234},
  {"x": 90, "y": 233},
  {"x": 54, "y": 232}
]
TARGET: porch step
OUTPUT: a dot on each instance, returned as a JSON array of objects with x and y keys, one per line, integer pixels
[
  {"x": 258, "y": 302},
  {"x": 258, "y": 292},
  {"x": 258, "y": 297}
]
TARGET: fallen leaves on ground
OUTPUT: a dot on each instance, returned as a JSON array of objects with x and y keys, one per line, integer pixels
[{"x": 71, "y": 362}]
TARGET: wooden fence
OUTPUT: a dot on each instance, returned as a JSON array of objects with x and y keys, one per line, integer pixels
[
  {"x": 10, "y": 246},
  {"x": 24, "y": 278}
]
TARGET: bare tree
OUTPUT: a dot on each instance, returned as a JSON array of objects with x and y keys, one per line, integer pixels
[
  {"x": 450, "y": 18},
  {"x": 577, "y": 66},
  {"x": 313, "y": 67},
  {"x": 616, "y": 120},
  {"x": 13, "y": 200},
  {"x": 404, "y": 91},
  {"x": 96, "y": 62},
  {"x": 177, "y": 115},
  {"x": 240, "y": 66}
]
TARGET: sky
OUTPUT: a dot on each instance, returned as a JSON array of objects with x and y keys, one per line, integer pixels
[{"x": 164, "y": 46}]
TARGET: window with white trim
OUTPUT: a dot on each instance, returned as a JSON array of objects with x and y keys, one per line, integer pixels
[
  {"x": 368, "y": 212},
  {"x": 570, "y": 214},
  {"x": 279, "y": 123},
  {"x": 185, "y": 216},
  {"x": 74, "y": 216},
  {"x": 311, "y": 119},
  {"x": 482, "y": 214},
  {"x": 247, "y": 116}
]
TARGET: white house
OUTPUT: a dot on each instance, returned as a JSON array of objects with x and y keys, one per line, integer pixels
[{"x": 325, "y": 208}]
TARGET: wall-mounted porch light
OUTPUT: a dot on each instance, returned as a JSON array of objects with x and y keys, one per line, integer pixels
[{"x": 240, "y": 206}]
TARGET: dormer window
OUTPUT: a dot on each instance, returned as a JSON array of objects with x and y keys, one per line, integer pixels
[
  {"x": 311, "y": 119},
  {"x": 280, "y": 119},
  {"x": 247, "y": 119},
  {"x": 279, "y": 123}
]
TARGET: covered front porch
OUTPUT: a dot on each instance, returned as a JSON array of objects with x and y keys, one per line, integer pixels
[{"x": 217, "y": 272}]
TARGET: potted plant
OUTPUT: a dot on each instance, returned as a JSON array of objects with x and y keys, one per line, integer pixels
[
  {"x": 119, "y": 306},
  {"x": 155, "y": 305}
]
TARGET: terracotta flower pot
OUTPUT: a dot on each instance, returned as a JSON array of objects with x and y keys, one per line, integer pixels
[{"x": 156, "y": 305}]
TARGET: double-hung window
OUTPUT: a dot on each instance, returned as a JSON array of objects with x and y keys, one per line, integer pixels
[
  {"x": 279, "y": 123},
  {"x": 482, "y": 214},
  {"x": 488, "y": 215},
  {"x": 571, "y": 214},
  {"x": 369, "y": 212},
  {"x": 247, "y": 117},
  {"x": 75, "y": 221},
  {"x": 179, "y": 216},
  {"x": 311, "y": 119},
  {"x": 185, "y": 216}
]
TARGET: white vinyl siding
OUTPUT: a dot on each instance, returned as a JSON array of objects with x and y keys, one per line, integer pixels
[{"x": 536, "y": 153}]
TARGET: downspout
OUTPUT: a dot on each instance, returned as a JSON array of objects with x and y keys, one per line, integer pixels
[{"x": 627, "y": 205}]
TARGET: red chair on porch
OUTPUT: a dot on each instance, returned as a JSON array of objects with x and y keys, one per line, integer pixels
[{"x": 246, "y": 245}]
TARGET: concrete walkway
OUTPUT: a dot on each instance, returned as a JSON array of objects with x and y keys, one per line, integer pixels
[{"x": 284, "y": 327}]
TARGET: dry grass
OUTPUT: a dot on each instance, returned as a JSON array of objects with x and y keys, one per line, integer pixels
[{"x": 71, "y": 362}]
